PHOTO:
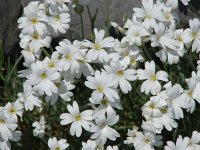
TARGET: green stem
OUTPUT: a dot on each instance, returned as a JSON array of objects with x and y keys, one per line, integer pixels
[
  {"x": 194, "y": 10},
  {"x": 82, "y": 29},
  {"x": 148, "y": 57},
  {"x": 91, "y": 19},
  {"x": 107, "y": 18},
  {"x": 15, "y": 65},
  {"x": 45, "y": 52}
]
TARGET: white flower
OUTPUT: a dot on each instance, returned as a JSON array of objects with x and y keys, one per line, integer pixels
[
  {"x": 103, "y": 131},
  {"x": 102, "y": 84},
  {"x": 90, "y": 145},
  {"x": 181, "y": 144},
  {"x": 127, "y": 55},
  {"x": 64, "y": 91},
  {"x": 34, "y": 41},
  {"x": 132, "y": 134},
  {"x": 29, "y": 98},
  {"x": 147, "y": 140},
  {"x": 106, "y": 106},
  {"x": 152, "y": 125},
  {"x": 29, "y": 56},
  {"x": 85, "y": 67},
  {"x": 192, "y": 34},
  {"x": 33, "y": 20},
  {"x": 52, "y": 63},
  {"x": 122, "y": 74},
  {"x": 185, "y": 2},
  {"x": 190, "y": 102},
  {"x": 166, "y": 15},
  {"x": 179, "y": 38},
  {"x": 194, "y": 141},
  {"x": 7, "y": 125},
  {"x": 112, "y": 147},
  {"x": 54, "y": 144},
  {"x": 98, "y": 49},
  {"x": 163, "y": 37},
  {"x": 40, "y": 126},
  {"x": 134, "y": 35},
  {"x": 43, "y": 78},
  {"x": 148, "y": 13},
  {"x": 176, "y": 100},
  {"x": 172, "y": 3},
  {"x": 151, "y": 78},
  {"x": 59, "y": 19},
  {"x": 167, "y": 119},
  {"x": 152, "y": 107},
  {"x": 77, "y": 119},
  {"x": 11, "y": 110},
  {"x": 69, "y": 56}
]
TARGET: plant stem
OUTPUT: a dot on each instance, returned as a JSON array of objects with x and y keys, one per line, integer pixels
[
  {"x": 82, "y": 29},
  {"x": 14, "y": 67},
  {"x": 107, "y": 18},
  {"x": 91, "y": 19}
]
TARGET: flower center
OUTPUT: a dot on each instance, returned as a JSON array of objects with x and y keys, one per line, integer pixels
[
  {"x": 163, "y": 110},
  {"x": 179, "y": 38},
  {"x": 152, "y": 106},
  {"x": 148, "y": 17},
  {"x": 153, "y": 77},
  {"x": 68, "y": 56},
  {"x": 147, "y": 141},
  {"x": 12, "y": 110},
  {"x": 168, "y": 16},
  {"x": 125, "y": 53},
  {"x": 120, "y": 73},
  {"x": 2, "y": 121},
  {"x": 81, "y": 61},
  {"x": 35, "y": 36},
  {"x": 97, "y": 46},
  {"x": 57, "y": 18},
  {"x": 190, "y": 93},
  {"x": 78, "y": 118},
  {"x": 136, "y": 34},
  {"x": 195, "y": 35},
  {"x": 51, "y": 64},
  {"x": 75, "y": 1},
  {"x": 34, "y": 21},
  {"x": 102, "y": 125},
  {"x": 133, "y": 61},
  {"x": 104, "y": 102},
  {"x": 57, "y": 148},
  {"x": 100, "y": 89},
  {"x": 43, "y": 76}
]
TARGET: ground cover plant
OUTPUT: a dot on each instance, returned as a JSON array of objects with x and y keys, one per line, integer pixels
[{"x": 139, "y": 90}]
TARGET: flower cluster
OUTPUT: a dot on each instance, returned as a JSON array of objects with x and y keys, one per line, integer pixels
[{"x": 106, "y": 68}]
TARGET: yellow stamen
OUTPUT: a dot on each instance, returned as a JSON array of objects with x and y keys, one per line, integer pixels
[
  {"x": 97, "y": 46},
  {"x": 57, "y": 18},
  {"x": 78, "y": 118},
  {"x": 12, "y": 110},
  {"x": 68, "y": 56},
  {"x": 104, "y": 102},
  {"x": 35, "y": 36},
  {"x": 120, "y": 73},
  {"x": 34, "y": 21},
  {"x": 153, "y": 77},
  {"x": 147, "y": 141},
  {"x": 51, "y": 64},
  {"x": 100, "y": 89},
  {"x": 43, "y": 76},
  {"x": 195, "y": 35},
  {"x": 2, "y": 121}
]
